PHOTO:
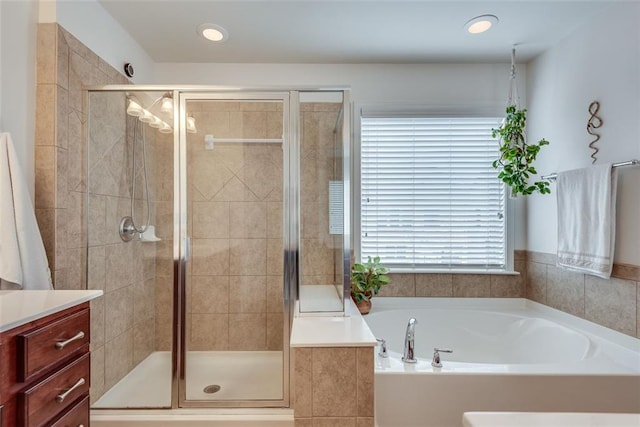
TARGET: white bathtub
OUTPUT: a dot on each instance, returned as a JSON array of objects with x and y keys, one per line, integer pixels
[{"x": 508, "y": 355}]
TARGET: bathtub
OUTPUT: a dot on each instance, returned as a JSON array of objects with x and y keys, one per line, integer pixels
[{"x": 508, "y": 355}]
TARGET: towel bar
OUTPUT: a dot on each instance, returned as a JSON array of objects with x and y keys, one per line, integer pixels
[{"x": 633, "y": 162}]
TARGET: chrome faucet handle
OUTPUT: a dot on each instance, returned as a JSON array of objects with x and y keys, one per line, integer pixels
[
  {"x": 383, "y": 348},
  {"x": 436, "y": 362}
]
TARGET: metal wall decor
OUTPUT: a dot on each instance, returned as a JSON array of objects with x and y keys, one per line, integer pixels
[{"x": 593, "y": 123}]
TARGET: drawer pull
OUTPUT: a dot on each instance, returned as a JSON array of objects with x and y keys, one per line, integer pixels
[
  {"x": 60, "y": 398},
  {"x": 62, "y": 344}
]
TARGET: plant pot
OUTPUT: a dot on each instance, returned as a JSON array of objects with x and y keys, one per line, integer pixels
[{"x": 363, "y": 306}]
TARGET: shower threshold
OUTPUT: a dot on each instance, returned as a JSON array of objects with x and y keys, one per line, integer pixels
[{"x": 241, "y": 375}]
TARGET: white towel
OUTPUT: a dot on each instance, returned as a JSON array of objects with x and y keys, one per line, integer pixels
[
  {"x": 23, "y": 261},
  {"x": 587, "y": 219}
]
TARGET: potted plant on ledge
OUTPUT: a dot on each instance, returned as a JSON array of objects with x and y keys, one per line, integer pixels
[{"x": 366, "y": 281}]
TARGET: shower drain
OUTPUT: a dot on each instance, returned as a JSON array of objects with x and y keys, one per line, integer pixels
[{"x": 214, "y": 388}]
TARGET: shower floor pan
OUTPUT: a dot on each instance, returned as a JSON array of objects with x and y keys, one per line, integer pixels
[{"x": 241, "y": 375}]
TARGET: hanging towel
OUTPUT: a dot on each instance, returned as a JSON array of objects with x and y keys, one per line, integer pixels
[
  {"x": 23, "y": 261},
  {"x": 587, "y": 219}
]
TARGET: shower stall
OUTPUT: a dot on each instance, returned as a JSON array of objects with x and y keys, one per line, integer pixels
[{"x": 212, "y": 215}]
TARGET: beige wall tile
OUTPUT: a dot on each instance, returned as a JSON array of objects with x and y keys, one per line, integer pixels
[
  {"x": 62, "y": 57},
  {"x": 334, "y": 388},
  {"x": 541, "y": 257},
  {"x": 211, "y": 257},
  {"x": 97, "y": 373},
  {"x": 97, "y": 322},
  {"x": 275, "y": 257},
  {"x": 612, "y": 303},
  {"x": 76, "y": 175},
  {"x": 62, "y": 117},
  {"x": 248, "y": 257},
  {"x": 209, "y": 332},
  {"x": 275, "y": 286},
  {"x": 364, "y": 378},
  {"x": 235, "y": 191},
  {"x": 303, "y": 422},
  {"x": 471, "y": 285},
  {"x": 210, "y": 220},
  {"x": 248, "y": 220},
  {"x": 45, "y": 114},
  {"x": 565, "y": 290},
  {"x": 46, "y": 54},
  {"x": 118, "y": 312},
  {"x": 116, "y": 257},
  {"x": 275, "y": 331},
  {"x": 164, "y": 258},
  {"x": 46, "y": 225},
  {"x": 274, "y": 220},
  {"x": 45, "y": 170},
  {"x": 400, "y": 285},
  {"x": 334, "y": 422},
  {"x": 164, "y": 312},
  {"x": 434, "y": 285},
  {"x": 143, "y": 340},
  {"x": 144, "y": 300},
  {"x": 248, "y": 331},
  {"x": 209, "y": 294},
  {"x": 303, "y": 382},
  {"x": 509, "y": 286},
  {"x": 76, "y": 216},
  {"x": 248, "y": 294},
  {"x": 118, "y": 358},
  {"x": 208, "y": 180},
  {"x": 316, "y": 258},
  {"x": 537, "y": 282}
]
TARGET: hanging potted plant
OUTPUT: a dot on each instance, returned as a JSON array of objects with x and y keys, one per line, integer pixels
[
  {"x": 366, "y": 281},
  {"x": 516, "y": 156}
]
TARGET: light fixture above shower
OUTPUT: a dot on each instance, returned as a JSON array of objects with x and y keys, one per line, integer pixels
[{"x": 135, "y": 109}]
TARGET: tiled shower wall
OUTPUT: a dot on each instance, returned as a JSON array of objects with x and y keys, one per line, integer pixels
[
  {"x": 122, "y": 321},
  {"x": 235, "y": 222}
]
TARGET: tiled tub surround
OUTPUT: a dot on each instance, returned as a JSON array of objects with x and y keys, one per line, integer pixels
[
  {"x": 613, "y": 303},
  {"x": 332, "y": 371},
  {"x": 529, "y": 356}
]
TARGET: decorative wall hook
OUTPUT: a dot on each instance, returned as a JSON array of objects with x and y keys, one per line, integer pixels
[{"x": 593, "y": 123}]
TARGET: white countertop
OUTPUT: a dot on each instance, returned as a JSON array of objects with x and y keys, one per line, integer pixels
[
  {"x": 548, "y": 419},
  {"x": 332, "y": 331},
  {"x": 20, "y": 307}
]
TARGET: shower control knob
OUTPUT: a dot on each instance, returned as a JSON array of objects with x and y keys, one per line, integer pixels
[{"x": 436, "y": 363}]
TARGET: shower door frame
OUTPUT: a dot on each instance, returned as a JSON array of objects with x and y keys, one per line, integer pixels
[{"x": 181, "y": 248}]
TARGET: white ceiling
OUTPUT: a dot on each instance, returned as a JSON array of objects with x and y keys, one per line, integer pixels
[{"x": 348, "y": 31}]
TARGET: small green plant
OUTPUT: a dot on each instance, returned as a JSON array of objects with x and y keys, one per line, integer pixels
[
  {"x": 516, "y": 156},
  {"x": 367, "y": 279}
]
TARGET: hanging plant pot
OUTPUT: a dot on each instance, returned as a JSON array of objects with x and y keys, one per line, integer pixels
[{"x": 516, "y": 156}]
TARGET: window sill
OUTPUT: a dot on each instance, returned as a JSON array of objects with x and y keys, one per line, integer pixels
[{"x": 452, "y": 271}]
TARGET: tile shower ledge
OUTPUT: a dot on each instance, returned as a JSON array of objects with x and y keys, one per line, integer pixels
[
  {"x": 349, "y": 330},
  {"x": 20, "y": 307}
]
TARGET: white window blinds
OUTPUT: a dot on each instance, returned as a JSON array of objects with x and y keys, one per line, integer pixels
[{"x": 430, "y": 197}]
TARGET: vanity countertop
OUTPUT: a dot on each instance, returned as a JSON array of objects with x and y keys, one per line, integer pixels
[
  {"x": 546, "y": 419},
  {"x": 20, "y": 307}
]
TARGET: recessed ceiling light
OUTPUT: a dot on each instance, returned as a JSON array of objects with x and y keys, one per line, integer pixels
[
  {"x": 480, "y": 24},
  {"x": 213, "y": 32}
]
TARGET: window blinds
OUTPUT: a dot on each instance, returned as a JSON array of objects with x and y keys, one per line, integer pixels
[{"x": 430, "y": 197}]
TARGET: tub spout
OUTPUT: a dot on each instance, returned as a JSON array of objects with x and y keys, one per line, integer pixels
[{"x": 409, "y": 341}]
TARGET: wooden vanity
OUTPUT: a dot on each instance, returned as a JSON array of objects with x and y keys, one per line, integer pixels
[{"x": 44, "y": 358}]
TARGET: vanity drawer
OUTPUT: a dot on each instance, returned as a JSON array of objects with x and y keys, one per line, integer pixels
[
  {"x": 51, "y": 396},
  {"x": 50, "y": 344},
  {"x": 77, "y": 416}
]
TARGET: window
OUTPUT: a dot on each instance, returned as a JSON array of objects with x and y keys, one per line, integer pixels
[{"x": 430, "y": 197}]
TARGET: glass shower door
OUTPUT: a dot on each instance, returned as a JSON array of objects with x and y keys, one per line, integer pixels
[{"x": 233, "y": 349}]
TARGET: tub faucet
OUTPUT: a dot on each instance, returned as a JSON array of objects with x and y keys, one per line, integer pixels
[{"x": 409, "y": 341}]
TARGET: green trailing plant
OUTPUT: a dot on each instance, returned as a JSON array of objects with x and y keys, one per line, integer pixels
[
  {"x": 516, "y": 156},
  {"x": 367, "y": 279}
]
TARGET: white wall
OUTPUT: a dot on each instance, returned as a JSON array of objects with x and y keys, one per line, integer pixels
[
  {"x": 449, "y": 86},
  {"x": 600, "y": 61},
  {"x": 18, "y": 21}
]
